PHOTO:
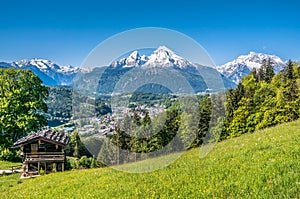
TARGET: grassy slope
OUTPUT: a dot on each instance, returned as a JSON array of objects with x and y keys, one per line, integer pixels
[
  {"x": 260, "y": 165},
  {"x": 5, "y": 165}
]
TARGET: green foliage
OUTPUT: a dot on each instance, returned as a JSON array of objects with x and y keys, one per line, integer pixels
[
  {"x": 59, "y": 105},
  {"x": 42, "y": 172},
  {"x": 102, "y": 108},
  {"x": 239, "y": 123},
  {"x": 6, "y": 154},
  {"x": 59, "y": 102},
  {"x": 76, "y": 147},
  {"x": 260, "y": 165},
  {"x": 269, "y": 71},
  {"x": 185, "y": 123},
  {"x": 108, "y": 153},
  {"x": 93, "y": 163},
  {"x": 84, "y": 162},
  {"x": 146, "y": 120},
  {"x": 205, "y": 111},
  {"x": 266, "y": 71},
  {"x": 137, "y": 119},
  {"x": 6, "y": 165},
  {"x": 81, "y": 163},
  {"x": 267, "y": 100},
  {"x": 142, "y": 98},
  {"x": 71, "y": 163},
  {"x": 22, "y": 105}
]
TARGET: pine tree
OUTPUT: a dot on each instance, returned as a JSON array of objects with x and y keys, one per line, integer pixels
[
  {"x": 262, "y": 71},
  {"x": 288, "y": 73},
  {"x": 146, "y": 119},
  {"x": 254, "y": 74},
  {"x": 109, "y": 153},
  {"x": 137, "y": 119},
  {"x": 269, "y": 71},
  {"x": 205, "y": 111},
  {"x": 76, "y": 152},
  {"x": 289, "y": 86}
]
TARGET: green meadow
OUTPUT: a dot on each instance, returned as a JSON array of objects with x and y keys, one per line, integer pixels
[{"x": 265, "y": 164}]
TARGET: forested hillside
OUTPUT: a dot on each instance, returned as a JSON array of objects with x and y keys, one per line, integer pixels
[{"x": 262, "y": 99}]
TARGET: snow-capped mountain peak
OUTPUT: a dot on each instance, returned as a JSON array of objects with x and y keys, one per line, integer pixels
[
  {"x": 41, "y": 64},
  {"x": 164, "y": 57},
  {"x": 49, "y": 72},
  {"x": 238, "y": 68},
  {"x": 133, "y": 59},
  {"x": 161, "y": 57}
]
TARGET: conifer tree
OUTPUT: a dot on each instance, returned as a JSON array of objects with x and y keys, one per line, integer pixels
[
  {"x": 261, "y": 72},
  {"x": 137, "y": 119},
  {"x": 269, "y": 71},
  {"x": 146, "y": 119}
]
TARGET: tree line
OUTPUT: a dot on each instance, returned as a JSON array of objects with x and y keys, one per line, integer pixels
[{"x": 262, "y": 99}]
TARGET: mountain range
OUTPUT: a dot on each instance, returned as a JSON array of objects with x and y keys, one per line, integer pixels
[
  {"x": 161, "y": 58},
  {"x": 175, "y": 73},
  {"x": 50, "y": 73},
  {"x": 238, "y": 68}
]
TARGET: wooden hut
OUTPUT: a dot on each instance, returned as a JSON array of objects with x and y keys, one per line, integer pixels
[{"x": 43, "y": 151}]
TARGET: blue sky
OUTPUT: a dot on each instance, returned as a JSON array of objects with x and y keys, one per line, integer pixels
[{"x": 66, "y": 31}]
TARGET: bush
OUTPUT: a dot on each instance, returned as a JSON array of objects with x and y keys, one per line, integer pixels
[
  {"x": 83, "y": 162},
  {"x": 71, "y": 163},
  {"x": 7, "y": 155},
  {"x": 42, "y": 172}
]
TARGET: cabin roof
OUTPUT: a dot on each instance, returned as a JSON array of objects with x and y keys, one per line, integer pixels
[{"x": 46, "y": 135}]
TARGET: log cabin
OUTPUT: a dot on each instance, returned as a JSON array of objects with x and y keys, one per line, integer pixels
[{"x": 43, "y": 151}]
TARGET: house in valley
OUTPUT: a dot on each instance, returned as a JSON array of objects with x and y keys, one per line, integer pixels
[{"x": 43, "y": 151}]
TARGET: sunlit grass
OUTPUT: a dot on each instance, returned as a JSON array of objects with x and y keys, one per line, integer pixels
[
  {"x": 5, "y": 165},
  {"x": 260, "y": 165}
]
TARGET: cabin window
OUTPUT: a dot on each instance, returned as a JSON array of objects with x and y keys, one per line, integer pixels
[
  {"x": 42, "y": 147},
  {"x": 34, "y": 147}
]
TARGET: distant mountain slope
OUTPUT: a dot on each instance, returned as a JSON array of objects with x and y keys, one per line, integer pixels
[
  {"x": 162, "y": 60},
  {"x": 238, "y": 68},
  {"x": 231, "y": 72},
  {"x": 104, "y": 79},
  {"x": 50, "y": 73}
]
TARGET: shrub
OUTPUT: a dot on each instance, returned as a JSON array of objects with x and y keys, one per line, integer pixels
[
  {"x": 42, "y": 172},
  {"x": 6, "y": 154},
  {"x": 84, "y": 162},
  {"x": 72, "y": 163}
]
